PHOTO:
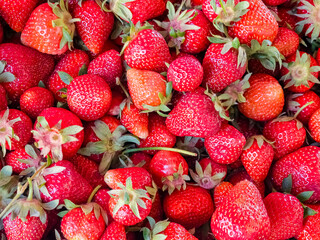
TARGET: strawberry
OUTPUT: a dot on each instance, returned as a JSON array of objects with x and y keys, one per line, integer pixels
[
  {"x": 183, "y": 208},
  {"x": 58, "y": 132},
  {"x": 274, "y": 2},
  {"x": 114, "y": 231},
  {"x": 35, "y": 100},
  {"x": 169, "y": 170},
  {"x": 107, "y": 65},
  {"x": 49, "y": 29},
  {"x": 140, "y": 177},
  {"x": 93, "y": 20},
  {"x": 159, "y": 135},
  {"x": 297, "y": 101},
  {"x": 213, "y": 9},
  {"x": 15, "y": 130},
  {"x": 287, "y": 41},
  {"x": 89, "y": 97},
  {"x": 102, "y": 197},
  {"x": 185, "y": 73},
  {"x": 139, "y": 157},
  {"x": 225, "y": 147},
  {"x": 147, "y": 50},
  {"x": 194, "y": 115},
  {"x": 220, "y": 193},
  {"x": 303, "y": 165},
  {"x": 287, "y": 19},
  {"x": 22, "y": 68},
  {"x": 286, "y": 133},
  {"x": 117, "y": 99},
  {"x": 208, "y": 173},
  {"x": 300, "y": 72},
  {"x": 17, "y": 13},
  {"x": 247, "y": 127},
  {"x": 3, "y": 99},
  {"x": 264, "y": 91},
  {"x": 88, "y": 169},
  {"x": 128, "y": 205},
  {"x": 256, "y": 157},
  {"x": 314, "y": 125},
  {"x": 242, "y": 215},
  {"x": 311, "y": 225},
  {"x": 70, "y": 63},
  {"x": 62, "y": 181}
]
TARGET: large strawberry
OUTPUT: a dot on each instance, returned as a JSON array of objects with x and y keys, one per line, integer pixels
[
  {"x": 58, "y": 132},
  {"x": 22, "y": 68},
  {"x": 50, "y": 28},
  {"x": 114, "y": 231},
  {"x": 93, "y": 20},
  {"x": 220, "y": 192},
  {"x": 242, "y": 215},
  {"x": 194, "y": 115}
]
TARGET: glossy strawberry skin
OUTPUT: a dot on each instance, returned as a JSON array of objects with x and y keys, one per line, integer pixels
[
  {"x": 226, "y": 146},
  {"x": 264, "y": 91},
  {"x": 27, "y": 65},
  {"x": 175, "y": 231},
  {"x": 287, "y": 20},
  {"x": 114, "y": 231},
  {"x": 220, "y": 192},
  {"x": 286, "y": 215},
  {"x": 148, "y": 50},
  {"x": 93, "y": 20},
  {"x": 35, "y": 100},
  {"x": 70, "y": 63},
  {"x": 303, "y": 165},
  {"x": 191, "y": 207},
  {"x": 311, "y": 229},
  {"x": 232, "y": 219},
  {"x": 314, "y": 125},
  {"x": 287, "y": 41},
  {"x": 107, "y": 65},
  {"x": 89, "y": 97},
  {"x": 11, "y": 159},
  {"x": 102, "y": 198}
]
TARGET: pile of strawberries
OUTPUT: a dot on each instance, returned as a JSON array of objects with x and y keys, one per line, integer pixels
[{"x": 159, "y": 119}]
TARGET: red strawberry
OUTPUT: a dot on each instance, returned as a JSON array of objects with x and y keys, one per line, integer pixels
[
  {"x": 169, "y": 170},
  {"x": 95, "y": 25},
  {"x": 89, "y": 97},
  {"x": 225, "y": 147},
  {"x": 256, "y": 157},
  {"x": 102, "y": 197},
  {"x": 114, "y": 231},
  {"x": 147, "y": 50},
  {"x": 264, "y": 91},
  {"x": 287, "y": 41},
  {"x": 3, "y": 99},
  {"x": 49, "y": 29},
  {"x": 194, "y": 115},
  {"x": 300, "y": 72},
  {"x": 314, "y": 125},
  {"x": 288, "y": 20},
  {"x": 107, "y": 65},
  {"x": 185, "y": 73},
  {"x": 27, "y": 67},
  {"x": 140, "y": 177},
  {"x": 58, "y": 132},
  {"x": 247, "y": 127},
  {"x": 311, "y": 225},
  {"x": 117, "y": 99},
  {"x": 274, "y": 2},
  {"x": 286, "y": 215},
  {"x": 17, "y": 13},
  {"x": 139, "y": 157},
  {"x": 71, "y": 63},
  {"x": 303, "y": 165},
  {"x": 16, "y": 129},
  {"x": 297, "y": 101},
  {"x": 159, "y": 135},
  {"x": 184, "y": 208},
  {"x": 242, "y": 215},
  {"x": 35, "y": 100},
  {"x": 220, "y": 193},
  {"x": 286, "y": 133}
]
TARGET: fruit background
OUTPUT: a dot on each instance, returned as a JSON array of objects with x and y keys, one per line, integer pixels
[{"x": 159, "y": 119}]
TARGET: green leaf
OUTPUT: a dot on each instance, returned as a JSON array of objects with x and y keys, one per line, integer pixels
[
  {"x": 72, "y": 130},
  {"x": 7, "y": 77},
  {"x": 65, "y": 77},
  {"x": 308, "y": 212},
  {"x": 304, "y": 196},
  {"x": 287, "y": 184},
  {"x": 83, "y": 70}
]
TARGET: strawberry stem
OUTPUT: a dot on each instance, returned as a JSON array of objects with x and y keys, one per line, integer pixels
[
  {"x": 95, "y": 190},
  {"x": 30, "y": 195},
  {"x": 160, "y": 148},
  {"x": 303, "y": 107}
]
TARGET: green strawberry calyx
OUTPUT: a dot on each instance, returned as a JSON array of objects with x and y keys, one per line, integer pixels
[
  {"x": 156, "y": 229},
  {"x": 5, "y": 76},
  {"x": 50, "y": 139},
  {"x": 34, "y": 160},
  {"x": 175, "y": 181},
  {"x": 218, "y": 104},
  {"x": 177, "y": 25},
  {"x": 110, "y": 144},
  {"x": 189, "y": 143},
  {"x": 300, "y": 71},
  {"x": 6, "y": 131},
  {"x": 126, "y": 195},
  {"x": 65, "y": 22},
  {"x": 8, "y": 185},
  {"x": 205, "y": 178},
  {"x": 118, "y": 7},
  {"x": 260, "y": 139}
]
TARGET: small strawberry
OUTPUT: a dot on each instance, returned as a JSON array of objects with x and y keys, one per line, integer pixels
[
  {"x": 102, "y": 197},
  {"x": 256, "y": 157},
  {"x": 114, "y": 231},
  {"x": 35, "y": 100},
  {"x": 220, "y": 193},
  {"x": 225, "y": 147},
  {"x": 89, "y": 97},
  {"x": 93, "y": 20},
  {"x": 242, "y": 215},
  {"x": 107, "y": 65},
  {"x": 58, "y": 132},
  {"x": 314, "y": 125},
  {"x": 184, "y": 208},
  {"x": 311, "y": 229},
  {"x": 287, "y": 41},
  {"x": 264, "y": 91},
  {"x": 287, "y": 19},
  {"x": 50, "y": 28}
]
